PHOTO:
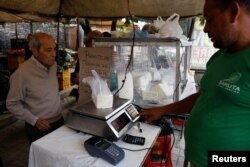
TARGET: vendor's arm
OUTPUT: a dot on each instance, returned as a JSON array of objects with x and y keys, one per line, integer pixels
[{"x": 181, "y": 107}]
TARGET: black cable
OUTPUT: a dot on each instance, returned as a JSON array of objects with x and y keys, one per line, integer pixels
[
  {"x": 131, "y": 52},
  {"x": 149, "y": 148},
  {"x": 163, "y": 124},
  {"x": 176, "y": 88},
  {"x": 169, "y": 151}
]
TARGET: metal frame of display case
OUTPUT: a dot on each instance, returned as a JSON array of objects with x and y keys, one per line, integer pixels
[{"x": 170, "y": 42}]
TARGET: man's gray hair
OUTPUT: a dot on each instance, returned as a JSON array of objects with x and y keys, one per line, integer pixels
[{"x": 35, "y": 42}]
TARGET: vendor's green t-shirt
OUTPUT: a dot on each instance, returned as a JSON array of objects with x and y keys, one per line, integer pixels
[{"x": 220, "y": 119}]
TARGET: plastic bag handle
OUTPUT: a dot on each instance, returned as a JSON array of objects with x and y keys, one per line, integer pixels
[
  {"x": 159, "y": 18},
  {"x": 174, "y": 17}
]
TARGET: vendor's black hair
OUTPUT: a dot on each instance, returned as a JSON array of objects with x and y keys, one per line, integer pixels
[{"x": 224, "y": 4}]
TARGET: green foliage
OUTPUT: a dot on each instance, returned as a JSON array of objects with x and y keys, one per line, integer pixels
[
  {"x": 64, "y": 60},
  {"x": 202, "y": 20}
]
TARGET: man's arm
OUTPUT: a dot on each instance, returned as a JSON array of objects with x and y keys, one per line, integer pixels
[
  {"x": 15, "y": 100},
  {"x": 181, "y": 107}
]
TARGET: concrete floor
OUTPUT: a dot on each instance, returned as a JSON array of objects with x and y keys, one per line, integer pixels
[{"x": 14, "y": 147}]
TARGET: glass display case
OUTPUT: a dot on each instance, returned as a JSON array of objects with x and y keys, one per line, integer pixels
[{"x": 158, "y": 66}]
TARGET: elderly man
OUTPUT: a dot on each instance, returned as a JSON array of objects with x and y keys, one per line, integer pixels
[
  {"x": 33, "y": 95},
  {"x": 220, "y": 112}
]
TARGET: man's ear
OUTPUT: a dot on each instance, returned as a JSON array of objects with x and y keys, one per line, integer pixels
[
  {"x": 235, "y": 9},
  {"x": 34, "y": 52}
]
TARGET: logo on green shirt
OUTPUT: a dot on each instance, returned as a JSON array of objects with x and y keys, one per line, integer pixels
[{"x": 228, "y": 83}]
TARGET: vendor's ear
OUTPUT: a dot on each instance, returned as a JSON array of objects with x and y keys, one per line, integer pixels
[{"x": 235, "y": 10}]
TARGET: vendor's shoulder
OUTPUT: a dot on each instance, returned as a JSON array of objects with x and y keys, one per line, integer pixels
[{"x": 215, "y": 55}]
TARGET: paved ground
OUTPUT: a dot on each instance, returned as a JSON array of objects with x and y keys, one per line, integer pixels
[{"x": 14, "y": 147}]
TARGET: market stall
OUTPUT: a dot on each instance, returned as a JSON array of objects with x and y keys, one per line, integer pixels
[{"x": 171, "y": 52}]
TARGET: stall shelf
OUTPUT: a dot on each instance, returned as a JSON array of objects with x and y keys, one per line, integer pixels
[{"x": 166, "y": 59}]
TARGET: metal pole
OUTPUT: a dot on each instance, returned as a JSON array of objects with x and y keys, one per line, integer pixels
[
  {"x": 65, "y": 36},
  {"x": 31, "y": 27},
  {"x": 58, "y": 26},
  {"x": 77, "y": 34},
  {"x": 16, "y": 31}
]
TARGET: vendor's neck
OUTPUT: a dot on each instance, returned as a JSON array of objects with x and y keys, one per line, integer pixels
[{"x": 238, "y": 46}]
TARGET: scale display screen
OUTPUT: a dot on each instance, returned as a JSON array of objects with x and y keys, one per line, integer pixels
[{"x": 120, "y": 122}]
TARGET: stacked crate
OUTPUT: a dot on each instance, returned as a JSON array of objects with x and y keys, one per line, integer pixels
[{"x": 160, "y": 154}]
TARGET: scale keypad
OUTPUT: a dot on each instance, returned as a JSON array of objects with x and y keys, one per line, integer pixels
[{"x": 131, "y": 110}]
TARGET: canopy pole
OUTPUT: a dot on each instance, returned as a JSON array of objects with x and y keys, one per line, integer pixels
[
  {"x": 65, "y": 35},
  {"x": 16, "y": 31},
  {"x": 31, "y": 27},
  {"x": 58, "y": 26},
  {"x": 113, "y": 26},
  {"x": 77, "y": 33}
]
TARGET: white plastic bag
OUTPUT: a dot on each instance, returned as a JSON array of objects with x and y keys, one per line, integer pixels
[
  {"x": 172, "y": 28},
  {"x": 101, "y": 94}
]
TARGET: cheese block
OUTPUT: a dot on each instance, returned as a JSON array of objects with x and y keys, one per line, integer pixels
[
  {"x": 161, "y": 89},
  {"x": 141, "y": 80},
  {"x": 157, "y": 92},
  {"x": 103, "y": 101}
]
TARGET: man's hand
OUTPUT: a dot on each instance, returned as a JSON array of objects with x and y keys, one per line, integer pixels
[
  {"x": 42, "y": 124},
  {"x": 151, "y": 114}
]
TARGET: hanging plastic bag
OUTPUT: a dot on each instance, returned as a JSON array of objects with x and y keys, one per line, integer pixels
[
  {"x": 172, "y": 28},
  {"x": 101, "y": 94}
]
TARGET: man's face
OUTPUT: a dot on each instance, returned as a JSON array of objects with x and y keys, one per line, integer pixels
[
  {"x": 47, "y": 52},
  {"x": 218, "y": 25}
]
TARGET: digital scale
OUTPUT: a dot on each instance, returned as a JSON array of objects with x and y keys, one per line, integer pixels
[{"x": 110, "y": 123}]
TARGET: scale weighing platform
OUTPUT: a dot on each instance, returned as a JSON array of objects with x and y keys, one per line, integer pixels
[{"x": 110, "y": 123}]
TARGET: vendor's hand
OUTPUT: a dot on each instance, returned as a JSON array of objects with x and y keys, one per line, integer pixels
[
  {"x": 150, "y": 114},
  {"x": 42, "y": 124}
]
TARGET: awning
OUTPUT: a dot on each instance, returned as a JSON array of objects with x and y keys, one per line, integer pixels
[{"x": 101, "y": 9}]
